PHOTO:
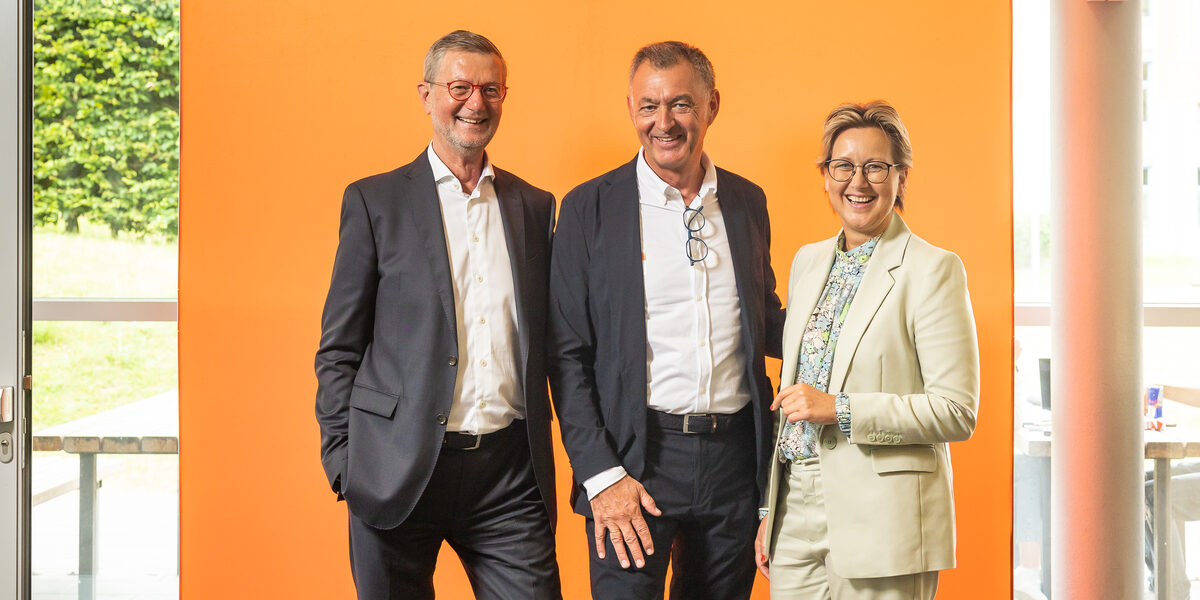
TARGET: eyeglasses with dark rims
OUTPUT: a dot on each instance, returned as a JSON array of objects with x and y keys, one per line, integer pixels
[
  {"x": 695, "y": 248},
  {"x": 462, "y": 90},
  {"x": 841, "y": 170}
]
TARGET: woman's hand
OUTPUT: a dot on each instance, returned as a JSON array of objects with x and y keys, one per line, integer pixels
[
  {"x": 803, "y": 402},
  {"x": 760, "y": 553}
]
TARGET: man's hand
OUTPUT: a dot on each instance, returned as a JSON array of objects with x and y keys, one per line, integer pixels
[
  {"x": 760, "y": 553},
  {"x": 618, "y": 511},
  {"x": 803, "y": 402}
]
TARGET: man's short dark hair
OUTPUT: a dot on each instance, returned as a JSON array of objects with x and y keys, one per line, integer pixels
[
  {"x": 663, "y": 55},
  {"x": 462, "y": 40}
]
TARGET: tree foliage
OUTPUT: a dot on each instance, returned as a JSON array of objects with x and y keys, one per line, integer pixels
[{"x": 106, "y": 114}]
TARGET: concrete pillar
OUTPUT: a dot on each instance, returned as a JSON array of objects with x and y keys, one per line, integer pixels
[{"x": 1096, "y": 506}]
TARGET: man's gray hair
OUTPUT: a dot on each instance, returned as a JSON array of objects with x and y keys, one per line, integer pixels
[
  {"x": 663, "y": 55},
  {"x": 462, "y": 40}
]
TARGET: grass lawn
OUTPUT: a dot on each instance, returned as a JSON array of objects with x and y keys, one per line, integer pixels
[
  {"x": 91, "y": 264},
  {"x": 81, "y": 368}
]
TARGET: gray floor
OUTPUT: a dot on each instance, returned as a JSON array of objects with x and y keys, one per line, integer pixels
[
  {"x": 138, "y": 534},
  {"x": 1026, "y": 582}
]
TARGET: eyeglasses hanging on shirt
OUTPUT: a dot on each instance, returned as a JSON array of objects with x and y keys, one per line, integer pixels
[{"x": 695, "y": 248}]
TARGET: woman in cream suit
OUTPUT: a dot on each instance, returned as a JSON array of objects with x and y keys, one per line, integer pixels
[{"x": 880, "y": 371}]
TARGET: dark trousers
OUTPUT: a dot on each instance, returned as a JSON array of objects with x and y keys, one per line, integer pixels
[
  {"x": 705, "y": 487},
  {"x": 485, "y": 503}
]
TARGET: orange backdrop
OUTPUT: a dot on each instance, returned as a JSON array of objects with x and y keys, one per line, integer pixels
[{"x": 286, "y": 101}]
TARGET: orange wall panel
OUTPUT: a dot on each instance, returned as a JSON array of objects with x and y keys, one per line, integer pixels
[{"x": 285, "y": 102}]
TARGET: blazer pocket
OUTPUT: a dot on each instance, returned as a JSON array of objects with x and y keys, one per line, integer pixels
[
  {"x": 373, "y": 401},
  {"x": 896, "y": 459}
]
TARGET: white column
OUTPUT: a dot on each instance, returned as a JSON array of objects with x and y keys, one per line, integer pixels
[{"x": 1096, "y": 469}]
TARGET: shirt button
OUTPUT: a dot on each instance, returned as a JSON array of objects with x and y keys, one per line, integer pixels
[
  {"x": 441, "y": 419},
  {"x": 482, "y": 320},
  {"x": 699, "y": 298},
  {"x": 703, "y": 343},
  {"x": 483, "y": 363},
  {"x": 481, "y": 403},
  {"x": 453, "y": 360},
  {"x": 479, "y": 278},
  {"x": 474, "y": 238},
  {"x": 830, "y": 443}
]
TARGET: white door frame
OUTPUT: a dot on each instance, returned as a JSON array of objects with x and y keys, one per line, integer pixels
[{"x": 16, "y": 25}]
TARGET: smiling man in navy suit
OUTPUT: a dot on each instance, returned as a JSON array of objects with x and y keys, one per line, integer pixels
[
  {"x": 431, "y": 397},
  {"x": 662, "y": 307}
]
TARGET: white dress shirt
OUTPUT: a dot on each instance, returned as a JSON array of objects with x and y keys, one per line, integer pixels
[
  {"x": 695, "y": 362},
  {"x": 487, "y": 390}
]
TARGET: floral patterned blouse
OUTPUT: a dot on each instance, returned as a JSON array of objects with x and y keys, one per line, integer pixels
[{"x": 799, "y": 440}]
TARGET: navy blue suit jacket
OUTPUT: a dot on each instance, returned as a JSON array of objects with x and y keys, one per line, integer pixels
[{"x": 597, "y": 353}]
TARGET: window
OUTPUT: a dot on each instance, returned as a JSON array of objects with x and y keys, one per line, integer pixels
[
  {"x": 105, "y": 140},
  {"x": 1171, "y": 226}
]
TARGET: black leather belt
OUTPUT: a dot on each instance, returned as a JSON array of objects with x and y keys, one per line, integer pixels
[
  {"x": 461, "y": 441},
  {"x": 454, "y": 440},
  {"x": 698, "y": 423}
]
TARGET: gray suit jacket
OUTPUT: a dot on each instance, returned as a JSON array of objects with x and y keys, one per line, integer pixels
[
  {"x": 909, "y": 361},
  {"x": 387, "y": 362}
]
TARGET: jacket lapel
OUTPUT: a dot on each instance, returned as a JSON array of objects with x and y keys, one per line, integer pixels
[
  {"x": 872, "y": 291},
  {"x": 619, "y": 205},
  {"x": 620, "y": 242},
  {"x": 512, "y": 213},
  {"x": 733, "y": 212},
  {"x": 802, "y": 299},
  {"x": 422, "y": 198}
]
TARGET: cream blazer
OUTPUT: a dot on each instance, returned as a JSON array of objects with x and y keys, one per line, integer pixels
[{"x": 909, "y": 361}]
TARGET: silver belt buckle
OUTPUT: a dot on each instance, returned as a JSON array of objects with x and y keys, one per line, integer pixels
[
  {"x": 478, "y": 440},
  {"x": 687, "y": 423}
]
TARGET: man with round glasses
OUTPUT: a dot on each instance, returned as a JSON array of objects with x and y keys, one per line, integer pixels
[
  {"x": 662, "y": 307},
  {"x": 431, "y": 397}
]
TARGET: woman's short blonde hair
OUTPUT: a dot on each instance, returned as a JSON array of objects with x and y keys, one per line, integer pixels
[{"x": 872, "y": 114}]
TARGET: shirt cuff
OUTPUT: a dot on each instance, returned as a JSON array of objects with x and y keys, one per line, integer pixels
[
  {"x": 601, "y": 481},
  {"x": 762, "y": 513},
  {"x": 841, "y": 405}
]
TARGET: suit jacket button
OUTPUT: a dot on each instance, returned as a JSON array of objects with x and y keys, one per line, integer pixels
[
  {"x": 897, "y": 438},
  {"x": 830, "y": 443},
  {"x": 453, "y": 360},
  {"x": 441, "y": 419},
  {"x": 870, "y": 437}
]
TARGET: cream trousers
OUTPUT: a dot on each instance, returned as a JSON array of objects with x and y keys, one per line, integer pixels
[{"x": 801, "y": 547}]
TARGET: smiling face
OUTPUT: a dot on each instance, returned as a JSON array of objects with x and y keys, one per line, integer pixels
[
  {"x": 463, "y": 127},
  {"x": 671, "y": 110},
  {"x": 865, "y": 208}
]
